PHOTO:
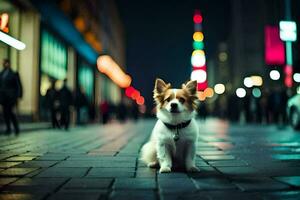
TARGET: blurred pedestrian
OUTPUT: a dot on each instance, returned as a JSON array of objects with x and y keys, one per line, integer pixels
[
  {"x": 66, "y": 100},
  {"x": 104, "y": 111},
  {"x": 202, "y": 110},
  {"x": 134, "y": 110},
  {"x": 122, "y": 111},
  {"x": 80, "y": 102},
  {"x": 52, "y": 103},
  {"x": 10, "y": 91}
]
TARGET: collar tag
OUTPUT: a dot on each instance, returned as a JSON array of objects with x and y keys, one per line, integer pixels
[{"x": 176, "y": 135}]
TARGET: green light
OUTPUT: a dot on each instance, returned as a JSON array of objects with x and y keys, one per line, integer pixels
[
  {"x": 289, "y": 54},
  {"x": 198, "y": 45},
  {"x": 256, "y": 92}
]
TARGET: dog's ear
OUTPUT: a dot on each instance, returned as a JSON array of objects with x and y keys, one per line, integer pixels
[
  {"x": 191, "y": 87},
  {"x": 160, "y": 86}
]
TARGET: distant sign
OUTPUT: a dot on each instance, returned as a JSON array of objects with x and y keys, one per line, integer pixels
[
  {"x": 288, "y": 31},
  {"x": 274, "y": 47}
]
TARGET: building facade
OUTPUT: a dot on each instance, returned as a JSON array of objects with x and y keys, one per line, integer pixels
[{"x": 63, "y": 41}]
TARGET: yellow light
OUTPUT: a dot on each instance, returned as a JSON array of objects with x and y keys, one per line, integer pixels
[
  {"x": 198, "y": 52},
  {"x": 219, "y": 88},
  {"x": 257, "y": 80},
  {"x": 108, "y": 66},
  {"x": 198, "y": 36},
  {"x": 209, "y": 92}
]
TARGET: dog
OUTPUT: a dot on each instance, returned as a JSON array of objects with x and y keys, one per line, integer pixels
[{"x": 174, "y": 137}]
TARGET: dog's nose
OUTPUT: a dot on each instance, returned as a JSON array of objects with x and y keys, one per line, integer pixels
[{"x": 174, "y": 105}]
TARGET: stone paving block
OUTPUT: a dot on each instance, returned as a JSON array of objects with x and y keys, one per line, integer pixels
[
  {"x": 133, "y": 195},
  {"x": 238, "y": 171},
  {"x": 111, "y": 173},
  {"x": 214, "y": 184},
  {"x": 38, "y": 164},
  {"x": 21, "y": 158},
  {"x": 21, "y": 196},
  {"x": 291, "y": 180},
  {"x": 88, "y": 183},
  {"x": 207, "y": 153},
  {"x": 17, "y": 171},
  {"x": 78, "y": 195},
  {"x": 34, "y": 173},
  {"x": 218, "y": 157},
  {"x": 4, "y": 165},
  {"x": 52, "y": 157},
  {"x": 212, "y": 195},
  {"x": 290, "y": 195},
  {"x": 134, "y": 183},
  {"x": 228, "y": 163},
  {"x": 201, "y": 164},
  {"x": 6, "y": 155},
  {"x": 113, "y": 164},
  {"x": 167, "y": 185},
  {"x": 258, "y": 184},
  {"x": 145, "y": 172},
  {"x": 49, "y": 182},
  {"x": 63, "y": 172},
  {"x": 172, "y": 175},
  {"x": 5, "y": 181}
]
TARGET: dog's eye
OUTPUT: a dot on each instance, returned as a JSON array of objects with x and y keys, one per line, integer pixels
[
  {"x": 182, "y": 100},
  {"x": 168, "y": 99}
]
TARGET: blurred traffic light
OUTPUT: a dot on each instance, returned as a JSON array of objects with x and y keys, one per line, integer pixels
[{"x": 198, "y": 59}]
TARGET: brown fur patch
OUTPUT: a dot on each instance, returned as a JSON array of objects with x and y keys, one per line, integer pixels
[{"x": 188, "y": 99}]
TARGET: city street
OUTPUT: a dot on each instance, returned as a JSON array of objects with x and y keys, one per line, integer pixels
[{"x": 101, "y": 162}]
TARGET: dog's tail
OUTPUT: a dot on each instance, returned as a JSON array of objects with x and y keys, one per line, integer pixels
[{"x": 148, "y": 153}]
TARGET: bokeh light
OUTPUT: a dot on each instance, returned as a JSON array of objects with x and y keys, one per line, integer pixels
[
  {"x": 274, "y": 75},
  {"x": 108, "y": 66},
  {"x": 257, "y": 80},
  {"x": 240, "y": 92},
  {"x": 296, "y": 77},
  {"x": 198, "y": 59},
  {"x": 248, "y": 82},
  {"x": 199, "y": 75},
  {"x": 209, "y": 92},
  {"x": 219, "y": 88},
  {"x": 198, "y": 36},
  {"x": 256, "y": 92}
]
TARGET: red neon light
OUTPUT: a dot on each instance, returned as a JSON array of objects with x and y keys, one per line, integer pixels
[
  {"x": 202, "y": 86},
  {"x": 288, "y": 81},
  {"x": 274, "y": 47},
  {"x": 288, "y": 70}
]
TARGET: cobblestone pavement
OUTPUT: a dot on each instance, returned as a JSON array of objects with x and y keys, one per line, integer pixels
[{"x": 101, "y": 162}]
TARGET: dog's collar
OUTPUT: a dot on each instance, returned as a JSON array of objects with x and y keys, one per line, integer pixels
[{"x": 177, "y": 127}]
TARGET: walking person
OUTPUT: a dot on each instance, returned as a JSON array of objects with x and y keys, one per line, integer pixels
[
  {"x": 52, "y": 103},
  {"x": 80, "y": 102},
  {"x": 65, "y": 100},
  {"x": 10, "y": 91}
]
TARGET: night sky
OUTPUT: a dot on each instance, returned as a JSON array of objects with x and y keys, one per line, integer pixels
[{"x": 158, "y": 36}]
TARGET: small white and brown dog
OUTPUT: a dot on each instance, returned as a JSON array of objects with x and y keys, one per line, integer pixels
[{"x": 174, "y": 136}]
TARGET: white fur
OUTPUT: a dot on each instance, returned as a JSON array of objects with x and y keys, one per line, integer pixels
[{"x": 162, "y": 150}]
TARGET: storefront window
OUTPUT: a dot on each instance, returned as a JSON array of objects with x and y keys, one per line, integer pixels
[
  {"x": 53, "y": 61},
  {"x": 86, "y": 79}
]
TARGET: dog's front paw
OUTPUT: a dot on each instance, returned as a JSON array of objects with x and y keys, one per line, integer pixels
[
  {"x": 164, "y": 170},
  {"x": 193, "y": 169}
]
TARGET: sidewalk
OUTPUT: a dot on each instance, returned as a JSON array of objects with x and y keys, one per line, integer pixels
[
  {"x": 101, "y": 162},
  {"x": 25, "y": 127}
]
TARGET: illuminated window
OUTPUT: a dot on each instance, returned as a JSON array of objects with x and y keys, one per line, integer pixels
[
  {"x": 86, "y": 79},
  {"x": 53, "y": 56}
]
